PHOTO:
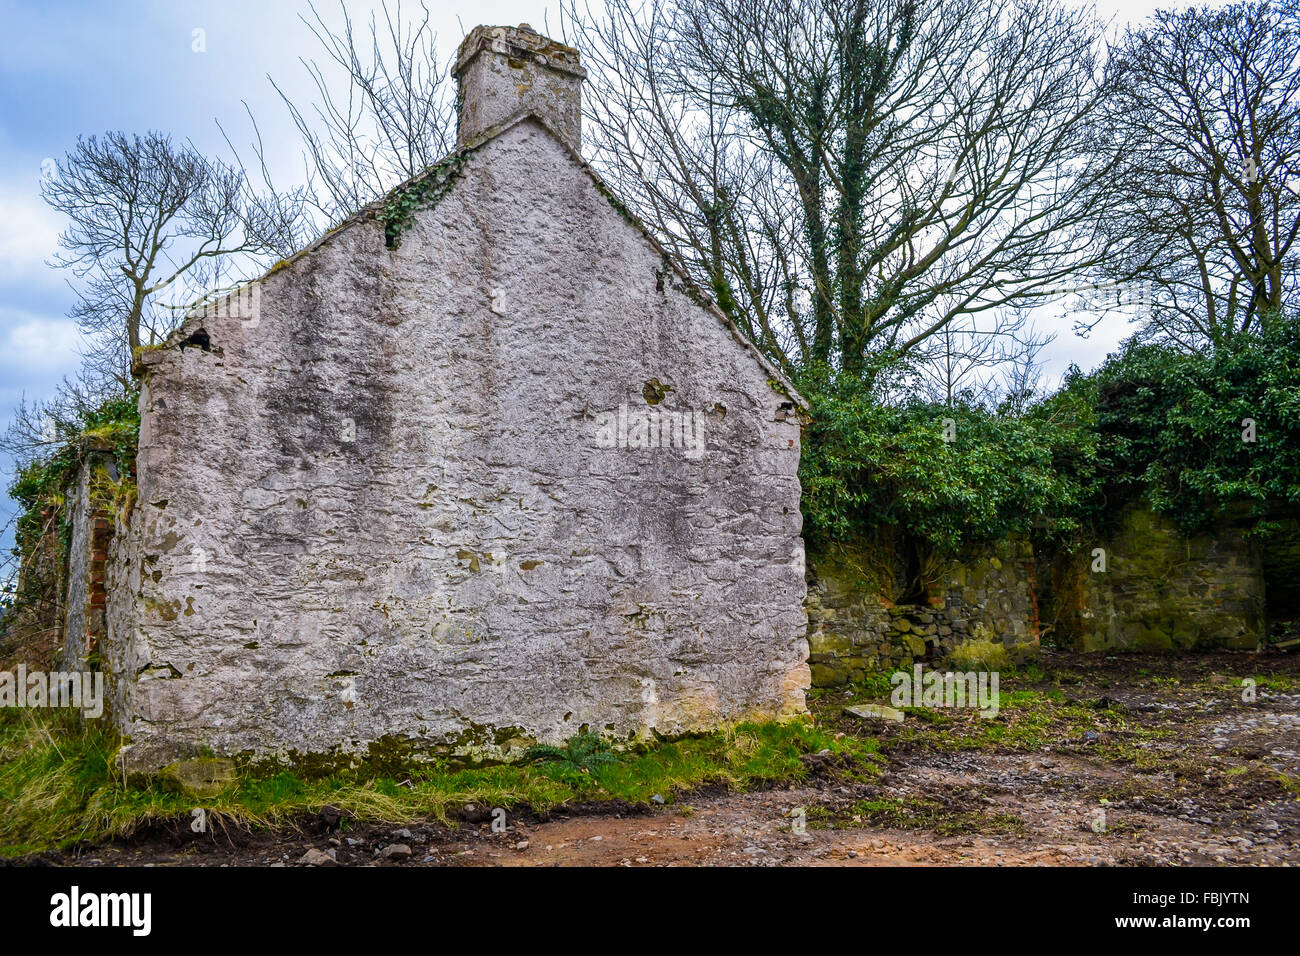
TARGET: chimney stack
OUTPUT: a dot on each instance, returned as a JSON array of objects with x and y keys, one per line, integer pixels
[{"x": 502, "y": 70}]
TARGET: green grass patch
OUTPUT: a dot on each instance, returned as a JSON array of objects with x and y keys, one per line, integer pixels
[
  {"x": 1283, "y": 683},
  {"x": 1146, "y": 749},
  {"x": 59, "y": 786},
  {"x": 918, "y": 814},
  {"x": 1027, "y": 720}
]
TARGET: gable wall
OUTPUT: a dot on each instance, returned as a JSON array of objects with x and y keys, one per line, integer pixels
[{"x": 379, "y": 507}]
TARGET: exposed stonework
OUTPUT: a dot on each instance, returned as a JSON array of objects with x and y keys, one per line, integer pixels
[
  {"x": 854, "y": 630},
  {"x": 381, "y": 506},
  {"x": 90, "y": 514},
  {"x": 992, "y": 592},
  {"x": 1161, "y": 590},
  {"x": 848, "y": 625}
]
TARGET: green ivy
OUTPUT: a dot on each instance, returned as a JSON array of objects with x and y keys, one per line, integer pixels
[
  {"x": 1153, "y": 422},
  {"x": 400, "y": 206},
  {"x": 44, "y": 482}
]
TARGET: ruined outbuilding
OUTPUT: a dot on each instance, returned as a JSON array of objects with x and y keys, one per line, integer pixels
[{"x": 477, "y": 469}]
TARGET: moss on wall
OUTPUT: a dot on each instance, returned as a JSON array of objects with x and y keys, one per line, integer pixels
[
  {"x": 1160, "y": 590},
  {"x": 855, "y": 628}
]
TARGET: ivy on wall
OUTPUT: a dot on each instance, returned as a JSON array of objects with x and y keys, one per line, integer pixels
[{"x": 41, "y": 486}]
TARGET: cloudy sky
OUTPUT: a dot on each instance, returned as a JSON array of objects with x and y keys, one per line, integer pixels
[{"x": 69, "y": 68}]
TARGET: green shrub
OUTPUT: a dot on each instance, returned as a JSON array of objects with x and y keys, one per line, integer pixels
[
  {"x": 1170, "y": 424},
  {"x": 1153, "y": 421},
  {"x": 868, "y": 465}
]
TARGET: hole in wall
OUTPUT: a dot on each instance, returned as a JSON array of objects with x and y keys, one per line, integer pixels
[{"x": 200, "y": 339}]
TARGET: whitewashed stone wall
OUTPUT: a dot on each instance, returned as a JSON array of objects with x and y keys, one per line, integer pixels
[{"x": 375, "y": 507}]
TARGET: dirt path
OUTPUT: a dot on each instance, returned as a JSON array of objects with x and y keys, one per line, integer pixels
[{"x": 1115, "y": 761}]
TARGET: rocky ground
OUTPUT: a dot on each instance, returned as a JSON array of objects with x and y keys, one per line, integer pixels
[{"x": 1124, "y": 760}]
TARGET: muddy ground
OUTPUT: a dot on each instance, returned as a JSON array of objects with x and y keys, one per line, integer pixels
[{"x": 1121, "y": 760}]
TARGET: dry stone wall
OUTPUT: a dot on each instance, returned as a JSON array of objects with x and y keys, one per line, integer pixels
[
  {"x": 1159, "y": 590},
  {"x": 987, "y": 594},
  {"x": 991, "y": 592}
]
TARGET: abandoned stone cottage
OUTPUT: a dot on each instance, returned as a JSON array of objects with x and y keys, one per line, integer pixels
[
  {"x": 478, "y": 468},
  {"x": 481, "y": 468}
]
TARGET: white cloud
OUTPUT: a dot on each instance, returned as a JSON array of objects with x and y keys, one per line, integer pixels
[
  {"x": 29, "y": 234},
  {"x": 1087, "y": 353},
  {"x": 35, "y": 348}
]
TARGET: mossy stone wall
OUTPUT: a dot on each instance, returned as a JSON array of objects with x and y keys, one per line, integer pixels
[
  {"x": 1161, "y": 590},
  {"x": 854, "y": 628},
  {"x": 990, "y": 592}
]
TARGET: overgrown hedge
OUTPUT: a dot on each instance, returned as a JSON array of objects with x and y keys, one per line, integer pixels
[
  {"x": 1172, "y": 427},
  {"x": 948, "y": 475},
  {"x": 1151, "y": 422}
]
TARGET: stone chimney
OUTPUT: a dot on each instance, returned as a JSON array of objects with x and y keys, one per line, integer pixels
[{"x": 502, "y": 70}]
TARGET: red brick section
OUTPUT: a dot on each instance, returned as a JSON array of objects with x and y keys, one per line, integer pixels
[
  {"x": 1032, "y": 567},
  {"x": 100, "y": 536}
]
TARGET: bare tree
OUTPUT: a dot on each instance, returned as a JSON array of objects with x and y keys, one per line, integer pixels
[
  {"x": 1204, "y": 111},
  {"x": 384, "y": 109},
  {"x": 40, "y": 427},
  {"x": 987, "y": 365},
  {"x": 147, "y": 217},
  {"x": 850, "y": 177}
]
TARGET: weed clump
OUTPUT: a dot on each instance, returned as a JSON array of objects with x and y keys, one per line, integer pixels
[
  {"x": 981, "y": 654},
  {"x": 581, "y": 753}
]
